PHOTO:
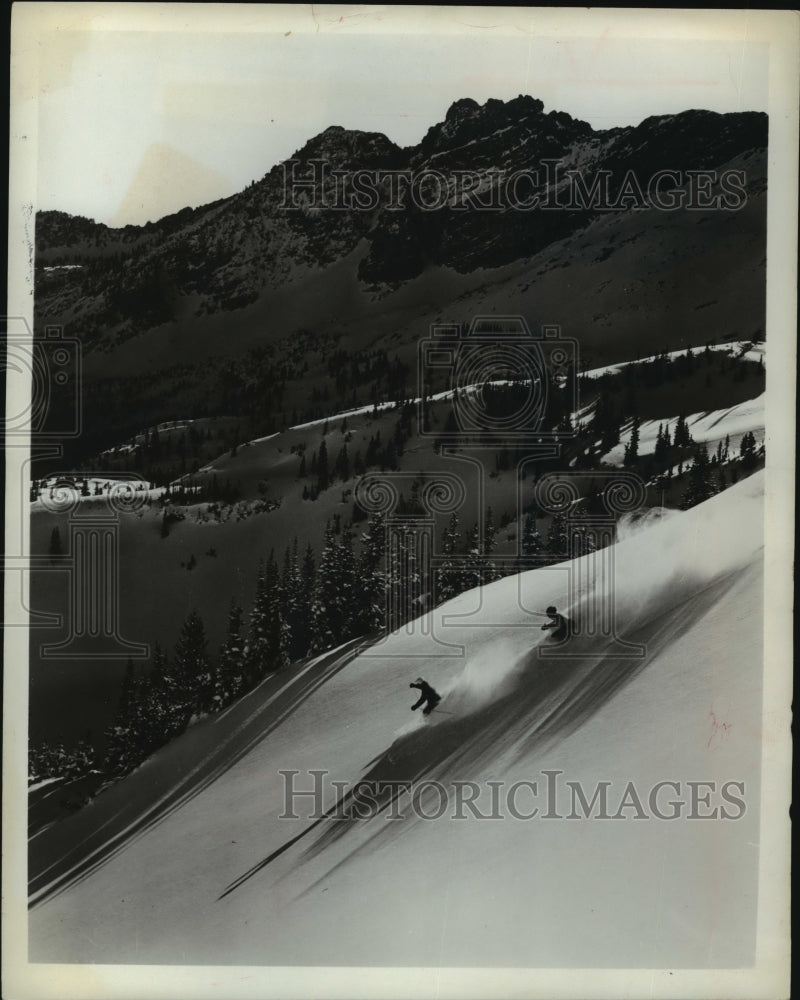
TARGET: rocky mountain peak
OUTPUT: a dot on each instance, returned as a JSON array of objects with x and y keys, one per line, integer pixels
[
  {"x": 458, "y": 110},
  {"x": 351, "y": 147}
]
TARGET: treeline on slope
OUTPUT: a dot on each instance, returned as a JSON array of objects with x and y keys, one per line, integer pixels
[
  {"x": 305, "y": 609},
  {"x": 385, "y": 452},
  {"x": 115, "y": 409},
  {"x": 322, "y": 470},
  {"x": 264, "y": 390},
  {"x": 164, "y": 456},
  {"x": 707, "y": 379},
  {"x": 301, "y": 609},
  {"x": 680, "y": 470}
]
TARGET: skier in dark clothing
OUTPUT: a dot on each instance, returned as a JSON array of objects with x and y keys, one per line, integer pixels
[
  {"x": 558, "y": 623},
  {"x": 426, "y": 694}
]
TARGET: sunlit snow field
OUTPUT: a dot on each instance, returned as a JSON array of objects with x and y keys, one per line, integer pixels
[{"x": 192, "y": 881}]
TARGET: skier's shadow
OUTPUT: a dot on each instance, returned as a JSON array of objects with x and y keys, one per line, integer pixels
[{"x": 545, "y": 701}]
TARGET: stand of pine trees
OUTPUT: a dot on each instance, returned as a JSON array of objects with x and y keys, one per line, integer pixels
[
  {"x": 309, "y": 606},
  {"x": 46, "y": 761}
]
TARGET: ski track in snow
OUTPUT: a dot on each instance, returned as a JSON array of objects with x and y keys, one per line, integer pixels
[
  {"x": 491, "y": 705},
  {"x": 505, "y": 706},
  {"x": 491, "y": 700},
  {"x": 98, "y": 843}
]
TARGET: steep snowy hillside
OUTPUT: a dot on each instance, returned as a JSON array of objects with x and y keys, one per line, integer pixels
[
  {"x": 709, "y": 427},
  {"x": 220, "y": 877}
]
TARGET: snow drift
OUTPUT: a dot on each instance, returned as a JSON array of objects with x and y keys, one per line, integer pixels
[{"x": 219, "y": 876}]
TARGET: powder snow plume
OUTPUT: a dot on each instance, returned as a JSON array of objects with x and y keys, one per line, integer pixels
[
  {"x": 686, "y": 591},
  {"x": 663, "y": 557}
]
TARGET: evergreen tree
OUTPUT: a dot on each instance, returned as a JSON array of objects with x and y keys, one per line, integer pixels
[
  {"x": 747, "y": 450},
  {"x": 703, "y": 483},
  {"x": 82, "y": 759},
  {"x": 403, "y": 581},
  {"x": 334, "y": 606},
  {"x": 150, "y": 714},
  {"x": 489, "y": 532},
  {"x": 230, "y": 673},
  {"x": 682, "y": 437},
  {"x": 662, "y": 445},
  {"x": 473, "y": 571},
  {"x": 162, "y": 712},
  {"x": 308, "y": 570},
  {"x": 294, "y": 605},
  {"x": 323, "y": 631},
  {"x": 126, "y": 697},
  {"x": 372, "y": 575},
  {"x": 632, "y": 448},
  {"x": 257, "y": 645},
  {"x": 532, "y": 544},
  {"x": 557, "y": 537},
  {"x": 46, "y": 761},
  {"x": 278, "y": 637},
  {"x": 489, "y": 542},
  {"x": 122, "y": 739},
  {"x": 606, "y": 421},
  {"x": 191, "y": 666},
  {"x": 308, "y": 576},
  {"x": 448, "y": 584}
]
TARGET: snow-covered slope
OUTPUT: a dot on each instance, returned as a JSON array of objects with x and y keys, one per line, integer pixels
[
  {"x": 710, "y": 428},
  {"x": 219, "y": 877},
  {"x": 746, "y": 350}
]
